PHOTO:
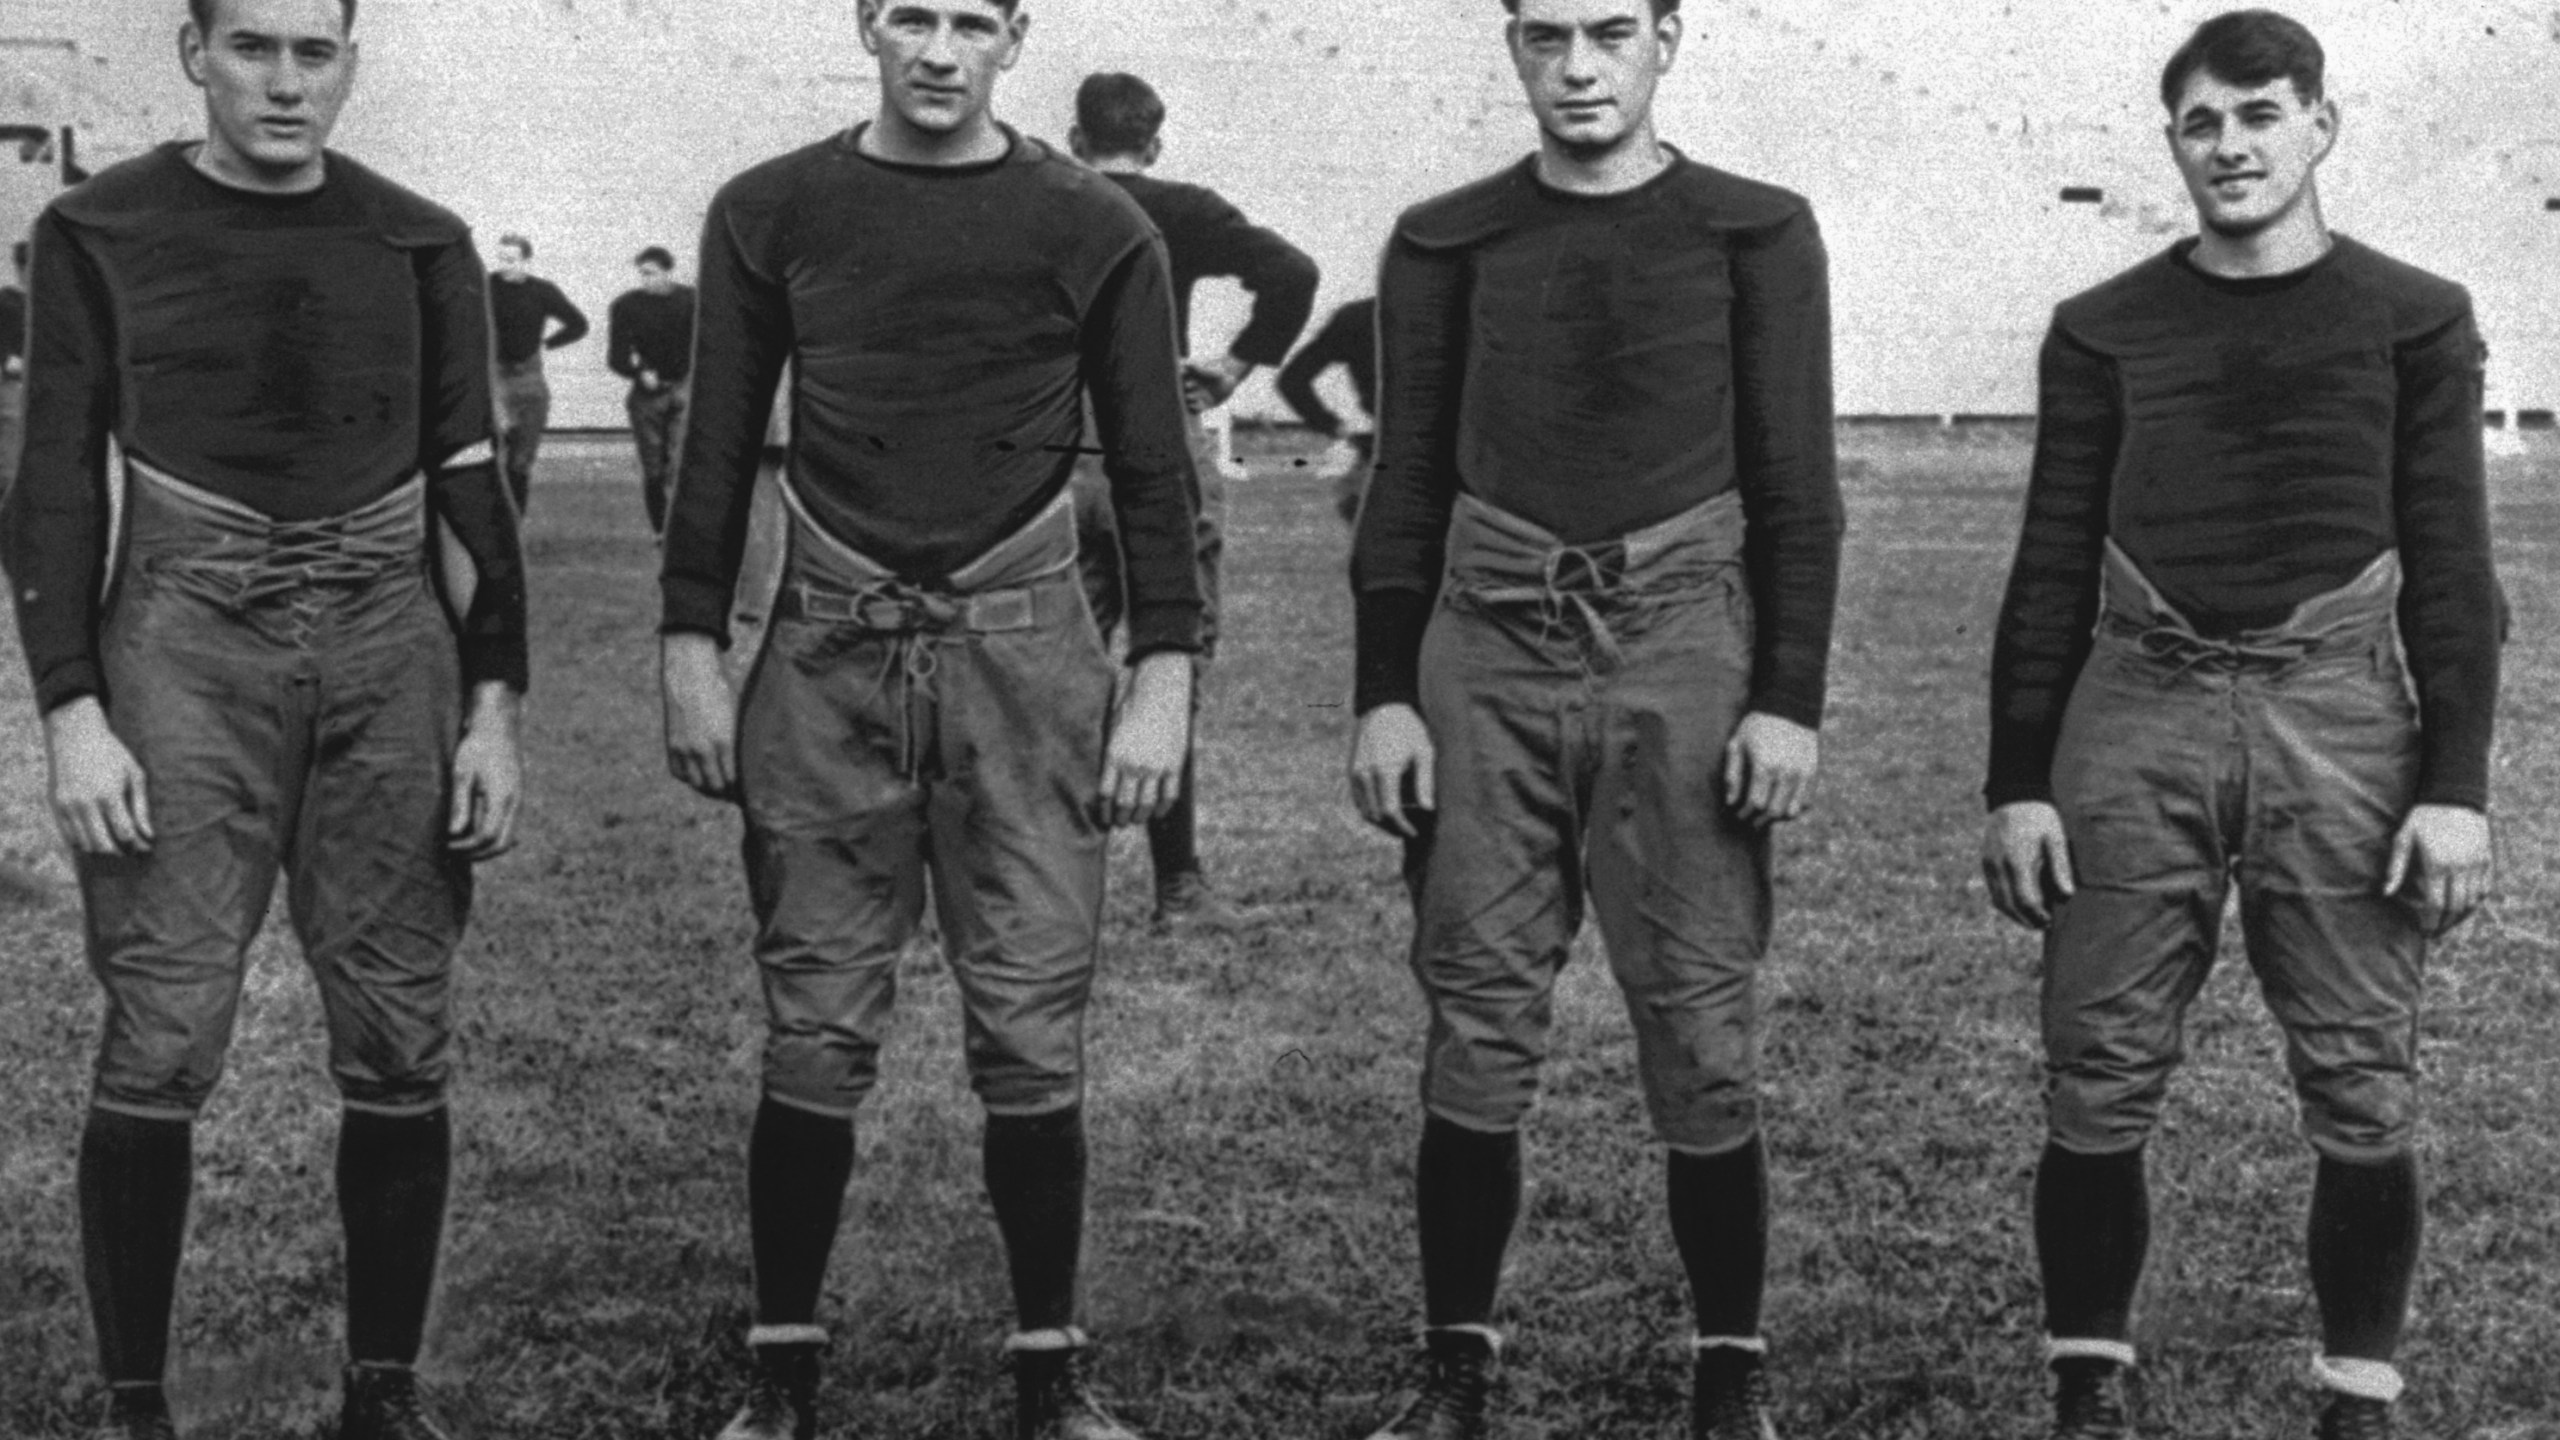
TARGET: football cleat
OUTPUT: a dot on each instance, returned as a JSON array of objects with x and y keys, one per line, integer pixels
[
  {"x": 1053, "y": 1402},
  {"x": 2353, "y": 1417},
  {"x": 381, "y": 1403},
  {"x": 1729, "y": 1396},
  {"x": 782, "y": 1396},
  {"x": 2088, "y": 1400},
  {"x": 1452, "y": 1402},
  {"x": 137, "y": 1412}
]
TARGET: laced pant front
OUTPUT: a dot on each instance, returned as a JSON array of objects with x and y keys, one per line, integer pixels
[
  {"x": 292, "y": 694},
  {"x": 892, "y": 731},
  {"x": 1579, "y": 701},
  {"x": 2280, "y": 761}
]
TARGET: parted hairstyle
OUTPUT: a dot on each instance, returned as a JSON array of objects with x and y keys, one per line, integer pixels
[
  {"x": 1118, "y": 112},
  {"x": 201, "y": 11},
  {"x": 2250, "y": 48},
  {"x": 655, "y": 255},
  {"x": 1660, "y": 7}
]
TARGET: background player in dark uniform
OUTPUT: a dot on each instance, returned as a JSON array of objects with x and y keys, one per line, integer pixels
[
  {"x": 522, "y": 307},
  {"x": 1349, "y": 338},
  {"x": 2257, "y": 487},
  {"x": 649, "y": 342},
  {"x": 933, "y": 696},
  {"x": 291, "y": 355},
  {"x": 13, "y": 366},
  {"x": 1118, "y": 131},
  {"x": 1595, "y": 577}
]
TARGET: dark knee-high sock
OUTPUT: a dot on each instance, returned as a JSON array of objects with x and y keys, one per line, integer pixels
[
  {"x": 1035, "y": 1168},
  {"x": 1720, "y": 1221},
  {"x": 798, "y": 1163},
  {"x": 1173, "y": 838},
  {"x": 392, "y": 1175},
  {"x": 134, "y": 1179},
  {"x": 2366, "y": 1221},
  {"x": 1467, "y": 1193},
  {"x": 2093, "y": 1228}
]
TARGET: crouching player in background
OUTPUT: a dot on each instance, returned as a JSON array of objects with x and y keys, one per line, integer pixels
[{"x": 2251, "y": 640}]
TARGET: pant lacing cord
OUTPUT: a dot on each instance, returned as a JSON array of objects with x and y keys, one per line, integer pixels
[
  {"x": 298, "y": 555},
  {"x": 912, "y": 618},
  {"x": 1574, "y": 581},
  {"x": 2187, "y": 650}
]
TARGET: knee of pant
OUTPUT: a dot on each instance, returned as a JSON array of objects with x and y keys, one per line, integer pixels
[
  {"x": 1708, "y": 1124},
  {"x": 805, "y": 1072},
  {"x": 1024, "y": 1090},
  {"x": 1478, "y": 1101},
  {"x": 2360, "y": 1119},
  {"x": 414, "y": 1090},
  {"x": 167, "y": 1100},
  {"x": 169, "y": 1084},
  {"x": 2102, "y": 1115}
]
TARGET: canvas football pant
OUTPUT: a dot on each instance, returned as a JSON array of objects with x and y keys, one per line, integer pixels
[
  {"x": 292, "y": 693},
  {"x": 1579, "y": 700},
  {"x": 2281, "y": 762},
  {"x": 888, "y": 730},
  {"x": 524, "y": 408},
  {"x": 657, "y": 429}
]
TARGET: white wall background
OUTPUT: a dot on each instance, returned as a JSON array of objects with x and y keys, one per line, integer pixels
[{"x": 1933, "y": 139}]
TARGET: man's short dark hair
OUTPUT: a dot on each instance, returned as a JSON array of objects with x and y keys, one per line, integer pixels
[
  {"x": 1118, "y": 113},
  {"x": 1660, "y": 7},
  {"x": 657, "y": 255},
  {"x": 522, "y": 244},
  {"x": 2247, "y": 48},
  {"x": 201, "y": 11}
]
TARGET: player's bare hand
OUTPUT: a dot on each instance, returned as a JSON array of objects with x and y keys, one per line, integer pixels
[
  {"x": 101, "y": 799},
  {"x": 1206, "y": 384},
  {"x": 488, "y": 776},
  {"x": 2026, "y": 862},
  {"x": 1142, "y": 769},
  {"x": 1769, "y": 768},
  {"x": 1391, "y": 760},
  {"x": 2441, "y": 863},
  {"x": 701, "y": 713}
]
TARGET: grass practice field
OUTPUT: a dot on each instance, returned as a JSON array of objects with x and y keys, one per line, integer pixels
[{"x": 1251, "y": 1265}]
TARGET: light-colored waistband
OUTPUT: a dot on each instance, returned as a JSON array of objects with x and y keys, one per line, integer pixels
[{"x": 1039, "y": 547}]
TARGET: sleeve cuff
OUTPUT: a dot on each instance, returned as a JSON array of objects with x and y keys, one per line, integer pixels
[
  {"x": 496, "y": 658},
  {"x": 68, "y": 682},
  {"x": 1995, "y": 796},
  {"x": 1387, "y": 669},
  {"x": 1790, "y": 702},
  {"x": 691, "y": 606},
  {"x": 2466, "y": 796},
  {"x": 1163, "y": 625}
]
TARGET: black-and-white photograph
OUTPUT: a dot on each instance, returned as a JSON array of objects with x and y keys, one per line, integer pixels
[{"x": 1279, "y": 719}]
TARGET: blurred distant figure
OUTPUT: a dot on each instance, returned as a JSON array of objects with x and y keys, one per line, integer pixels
[
  {"x": 522, "y": 306},
  {"x": 13, "y": 367},
  {"x": 1349, "y": 339},
  {"x": 649, "y": 341},
  {"x": 1119, "y": 118}
]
